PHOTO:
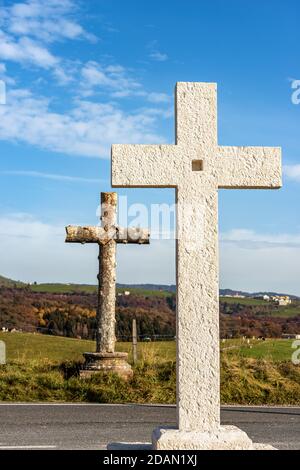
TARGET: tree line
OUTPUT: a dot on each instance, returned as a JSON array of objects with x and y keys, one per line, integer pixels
[{"x": 74, "y": 315}]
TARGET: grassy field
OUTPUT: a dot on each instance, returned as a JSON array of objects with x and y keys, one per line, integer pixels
[
  {"x": 30, "y": 346},
  {"x": 245, "y": 301},
  {"x": 63, "y": 288},
  {"x": 290, "y": 311},
  {"x": 91, "y": 289},
  {"x": 146, "y": 292},
  {"x": 45, "y": 368},
  {"x": 275, "y": 350}
]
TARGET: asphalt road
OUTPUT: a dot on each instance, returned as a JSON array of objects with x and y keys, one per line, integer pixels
[{"x": 89, "y": 426}]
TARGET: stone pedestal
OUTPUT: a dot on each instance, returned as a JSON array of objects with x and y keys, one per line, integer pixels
[
  {"x": 225, "y": 438},
  {"x": 106, "y": 362}
]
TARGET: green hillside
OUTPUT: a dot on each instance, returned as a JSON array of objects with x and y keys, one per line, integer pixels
[
  {"x": 56, "y": 288},
  {"x": 291, "y": 310},
  {"x": 53, "y": 288}
]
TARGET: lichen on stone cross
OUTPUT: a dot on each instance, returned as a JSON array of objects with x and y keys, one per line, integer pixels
[
  {"x": 196, "y": 166},
  {"x": 107, "y": 235}
]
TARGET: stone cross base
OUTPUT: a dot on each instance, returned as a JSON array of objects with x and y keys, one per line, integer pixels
[
  {"x": 106, "y": 362},
  {"x": 226, "y": 438}
]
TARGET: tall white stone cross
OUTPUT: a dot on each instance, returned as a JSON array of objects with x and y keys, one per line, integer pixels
[{"x": 196, "y": 166}]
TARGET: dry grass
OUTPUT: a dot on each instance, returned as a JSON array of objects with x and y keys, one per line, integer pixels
[
  {"x": 259, "y": 382},
  {"x": 243, "y": 381},
  {"x": 44, "y": 368}
]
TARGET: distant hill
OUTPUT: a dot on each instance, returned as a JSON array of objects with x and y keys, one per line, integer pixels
[
  {"x": 146, "y": 288},
  {"x": 6, "y": 282},
  {"x": 149, "y": 287},
  {"x": 294, "y": 297},
  {"x": 232, "y": 293},
  {"x": 70, "y": 310},
  {"x": 140, "y": 289}
]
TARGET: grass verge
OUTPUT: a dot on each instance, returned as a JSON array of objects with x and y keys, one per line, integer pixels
[
  {"x": 243, "y": 381},
  {"x": 45, "y": 368}
]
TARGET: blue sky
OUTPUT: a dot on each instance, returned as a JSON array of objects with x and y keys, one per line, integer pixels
[{"x": 83, "y": 75}]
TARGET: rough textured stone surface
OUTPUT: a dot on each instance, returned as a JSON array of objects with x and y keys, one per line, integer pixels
[
  {"x": 107, "y": 362},
  {"x": 90, "y": 234},
  {"x": 196, "y": 148},
  {"x": 107, "y": 236},
  {"x": 106, "y": 318},
  {"x": 224, "y": 438}
]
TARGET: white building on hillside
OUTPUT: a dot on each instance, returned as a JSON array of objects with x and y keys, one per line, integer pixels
[{"x": 282, "y": 300}]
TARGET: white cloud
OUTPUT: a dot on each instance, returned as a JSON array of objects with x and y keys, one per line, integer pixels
[
  {"x": 115, "y": 78},
  {"x": 52, "y": 176},
  {"x": 250, "y": 239},
  {"x": 255, "y": 262},
  {"x": 25, "y": 50},
  {"x": 270, "y": 268},
  {"x": 88, "y": 129},
  {"x": 4, "y": 77},
  {"x": 292, "y": 172},
  {"x": 27, "y": 29},
  {"x": 156, "y": 112},
  {"x": 25, "y": 226},
  {"x": 158, "y": 56},
  {"x": 155, "y": 53},
  {"x": 44, "y": 20},
  {"x": 31, "y": 250},
  {"x": 158, "y": 261},
  {"x": 158, "y": 97},
  {"x": 63, "y": 75}
]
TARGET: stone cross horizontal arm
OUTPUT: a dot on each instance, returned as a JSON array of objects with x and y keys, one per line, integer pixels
[
  {"x": 162, "y": 166},
  {"x": 196, "y": 150},
  {"x": 97, "y": 234}
]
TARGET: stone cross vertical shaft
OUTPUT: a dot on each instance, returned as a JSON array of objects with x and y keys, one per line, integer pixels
[
  {"x": 196, "y": 166},
  {"x": 105, "y": 335},
  {"x": 107, "y": 236}
]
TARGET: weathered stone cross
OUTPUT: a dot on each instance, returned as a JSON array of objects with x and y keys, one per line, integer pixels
[
  {"x": 197, "y": 167},
  {"x": 107, "y": 235}
]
